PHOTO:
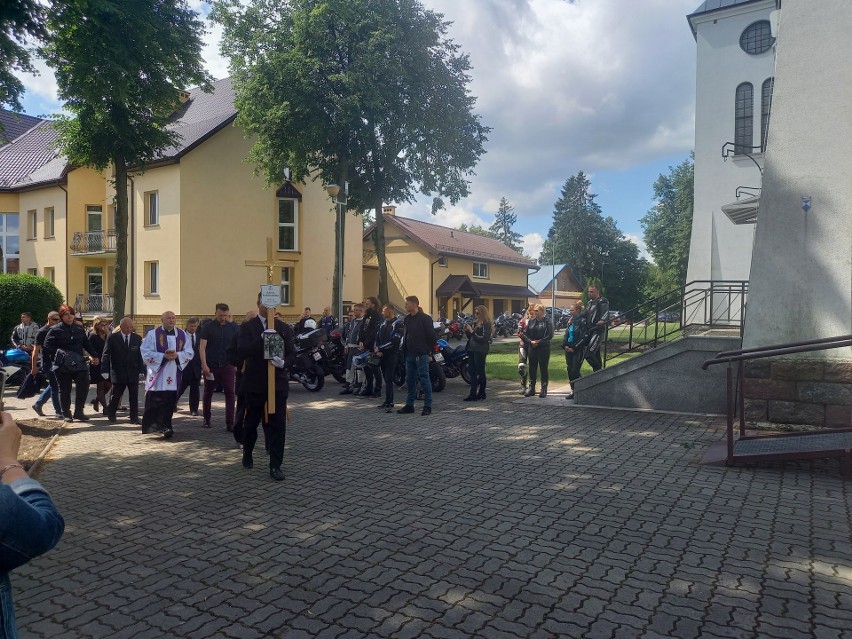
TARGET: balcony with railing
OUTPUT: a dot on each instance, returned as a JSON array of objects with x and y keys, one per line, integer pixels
[
  {"x": 94, "y": 304},
  {"x": 93, "y": 242}
]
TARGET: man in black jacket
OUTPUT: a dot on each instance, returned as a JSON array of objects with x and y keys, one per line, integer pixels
[
  {"x": 191, "y": 377},
  {"x": 419, "y": 339},
  {"x": 122, "y": 363},
  {"x": 366, "y": 342},
  {"x": 254, "y": 388},
  {"x": 597, "y": 313}
]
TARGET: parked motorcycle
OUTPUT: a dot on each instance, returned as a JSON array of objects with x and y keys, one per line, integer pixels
[
  {"x": 506, "y": 325},
  {"x": 436, "y": 371},
  {"x": 308, "y": 368},
  {"x": 455, "y": 360},
  {"x": 16, "y": 363},
  {"x": 334, "y": 362}
]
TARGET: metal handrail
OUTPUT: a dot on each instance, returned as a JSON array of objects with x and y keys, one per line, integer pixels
[{"x": 734, "y": 391}]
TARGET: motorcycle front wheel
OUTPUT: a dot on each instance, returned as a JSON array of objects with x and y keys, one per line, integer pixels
[
  {"x": 313, "y": 382},
  {"x": 437, "y": 377}
]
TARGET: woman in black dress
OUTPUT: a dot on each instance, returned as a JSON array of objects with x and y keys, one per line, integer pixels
[{"x": 97, "y": 340}]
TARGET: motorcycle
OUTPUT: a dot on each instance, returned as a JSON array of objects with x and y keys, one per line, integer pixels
[
  {"x": 455, "y": 360},
  {"x": 334, "y": 361},
  {"x": 308, "y": 369},
  {"x": 16, "y": 363},
  {"x": 436, "y": 370},
  {"x": 506, "y": 325}
]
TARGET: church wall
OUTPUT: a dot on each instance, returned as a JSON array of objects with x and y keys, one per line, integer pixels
[{"x": 719, "y": 249}]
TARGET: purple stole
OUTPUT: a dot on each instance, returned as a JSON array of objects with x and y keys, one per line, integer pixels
[{"x": 163, "y": 346}]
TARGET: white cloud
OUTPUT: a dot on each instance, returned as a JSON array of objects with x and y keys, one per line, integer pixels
[
  {"x": 643, "y": 248},
  {"x": 42, "y": 85},
  {"x": 532, "y": 243}
]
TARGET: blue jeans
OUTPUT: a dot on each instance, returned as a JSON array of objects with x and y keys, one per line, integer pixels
[
  {"x": 51, "y": 392},
  {"x": 417, "y": 368}
]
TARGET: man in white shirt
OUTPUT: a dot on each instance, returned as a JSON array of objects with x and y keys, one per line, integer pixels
[{"x": 166, "y": 351}]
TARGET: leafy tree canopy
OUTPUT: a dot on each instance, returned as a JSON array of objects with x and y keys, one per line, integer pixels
[
  {"x": 19, "y": 20},
  {"x": 503, "y": 226}
]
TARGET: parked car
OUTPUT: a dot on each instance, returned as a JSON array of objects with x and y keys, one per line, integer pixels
[
  {"x": 668, "y": 316},
  {"x": 615, "y": 318}
]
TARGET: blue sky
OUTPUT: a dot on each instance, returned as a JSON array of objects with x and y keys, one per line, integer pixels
[{"x": 602, "y": 86}]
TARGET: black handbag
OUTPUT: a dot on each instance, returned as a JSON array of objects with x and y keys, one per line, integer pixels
[{"x": 71, "y": 362}]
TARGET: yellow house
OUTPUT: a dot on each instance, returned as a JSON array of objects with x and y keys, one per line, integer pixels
[
  {"x": 196, "y": 215},
  {"x": 447, "y": 269}
]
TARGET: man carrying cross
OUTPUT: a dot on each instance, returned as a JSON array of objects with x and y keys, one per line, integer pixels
[{"x": 166, "y": 351}]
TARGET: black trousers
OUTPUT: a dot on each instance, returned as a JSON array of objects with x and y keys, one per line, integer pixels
[
  {"x": 387, "y": 369},
  {"x": 373, "y": 378},
  {"x": 159, "y": 408},
  {"x": 573, "y": 362},
  {"x": 594, "y": 359},
  {"x": 194, "y": 386},
  {"x": 275, "y": 427},
  {"x": 132, "y": 395},
  {"x": 538, "y": 358},
  {"x": 81, "y": 383},
  {"x": 476, "y": 368}
]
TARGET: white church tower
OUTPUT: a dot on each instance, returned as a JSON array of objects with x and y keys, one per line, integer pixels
[{"x": 735, "y": 60}]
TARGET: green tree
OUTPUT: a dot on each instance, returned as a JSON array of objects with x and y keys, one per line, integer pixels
[
  {"x": 477, "y": 230},
  {"x": 19, "y": 19},
  {"x": 593, "y": 245},
  {"x": 372, "y": 92},
  {"x": 19, "y": 293},
  {"x": 667, "y": 227},
  {"x": 119, "y": 66},
  {"x": 504, "y": 221}
]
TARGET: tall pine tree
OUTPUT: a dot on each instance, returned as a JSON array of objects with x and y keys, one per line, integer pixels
[{"x": 504, "y": 220}]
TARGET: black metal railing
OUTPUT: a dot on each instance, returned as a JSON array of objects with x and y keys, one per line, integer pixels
[
  {"x": 87, "y": 242},
  {"x": 700, "y": 304},
  {"x": 735, "y": 404},
  {"x": 94, "y": 304}
]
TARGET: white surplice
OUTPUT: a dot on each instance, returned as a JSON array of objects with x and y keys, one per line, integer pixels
[{"x": 165, "y": 379}]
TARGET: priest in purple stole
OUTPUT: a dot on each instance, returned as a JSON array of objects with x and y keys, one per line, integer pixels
[{"x": 166, "y": 351}]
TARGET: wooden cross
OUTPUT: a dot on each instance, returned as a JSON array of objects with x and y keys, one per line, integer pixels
[{"x": 271, "y": 264}]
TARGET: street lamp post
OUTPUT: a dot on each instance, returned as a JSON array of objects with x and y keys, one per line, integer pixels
[
  {"x": 340, "y": 208},
  {"x": 552, "y": 236}
]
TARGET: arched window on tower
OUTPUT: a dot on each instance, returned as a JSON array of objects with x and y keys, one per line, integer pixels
[
  {"x": 765, "y": 107},
  {"x": 744, "y": 119}
]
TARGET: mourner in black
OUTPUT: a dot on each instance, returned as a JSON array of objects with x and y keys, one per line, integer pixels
[
  {"x": 573, "y": 344},
  {"x": 66, "y": 345},
  {"x": 254, "y": 388},
  {"x": 122, "y": 361},
  {"x": 596, "y": 318},
  {"x": 536, "y": 336},
  {"x": 366, "y": 342},
  {"x": 191, "y": 378},
  {"x": 386, "y": 348},
  {"x": 97, "y": 340}
]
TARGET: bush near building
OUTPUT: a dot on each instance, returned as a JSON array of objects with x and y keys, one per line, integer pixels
[{"x": 18, "y": 293}]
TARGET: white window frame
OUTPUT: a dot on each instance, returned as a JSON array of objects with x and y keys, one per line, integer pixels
[
  {"x": 50, "y": 273},
  {"x": 32, "y": 224},
  {"x": 483, "y": 266},
  {"x": 286, "y": 286},
  {"x": 49, "y": 222},
  {"x": 294, "y": 225},
  {"x": 152, "y": 276},
  {"x": 152, "y": 208}
]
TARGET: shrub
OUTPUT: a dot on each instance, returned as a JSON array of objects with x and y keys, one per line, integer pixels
[{"x": 19, "y": 293}]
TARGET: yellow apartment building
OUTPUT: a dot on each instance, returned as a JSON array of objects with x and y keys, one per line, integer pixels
[
  {"x": 196, "y": 215},
  {"x": 447, "y": 269}
]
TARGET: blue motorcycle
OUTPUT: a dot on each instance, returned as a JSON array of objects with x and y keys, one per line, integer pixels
[{"x": 454, "y": 360}]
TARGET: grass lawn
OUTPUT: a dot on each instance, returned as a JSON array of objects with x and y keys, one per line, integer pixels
[{"x": 502, "y": 362}]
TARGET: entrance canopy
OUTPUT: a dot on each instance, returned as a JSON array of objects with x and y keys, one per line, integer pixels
[{"x": 462, "y": 284}]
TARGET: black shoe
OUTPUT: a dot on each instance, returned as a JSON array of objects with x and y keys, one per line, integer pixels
[
  {"x": 427, "y": 410},
  {"x": 248, "y": 461},
  {"x": 111, "y": 418},
  {"x": 81, "y": 417},
  {"x": 229, "y": 428},
  {"x": 389, "y": 408},
  {"x": 38, "y": 410},
  {"x": 366, "y": 392},
  {"x": 347, "y": 390},
  {"x": 530, "y": 391},
  {"x": 68, "y": 418},
  {"x": 543, "y": 392},
  {"x": 276, "y": 474},
  {"x": 408, "y": 408},
  {"x": 193, "y": 413},
  {"x": 95, "y": 405},
  {"x": 481, "y": 395},
  {"x": 205, "y": 425},
  {"x": 569, "y": 396},
  {"x": 136, "y": 420},
  {"x": 167, "y": 434},
  {"x": 470, "y": 398},
  {"x": 385, "y": 405},
  {"x": 356, "y": 389}
]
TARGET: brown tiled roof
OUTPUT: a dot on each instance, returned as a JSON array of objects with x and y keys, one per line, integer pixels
[
  {"x": 468, "y": 288},
  {"x": 443, "y": 240}
]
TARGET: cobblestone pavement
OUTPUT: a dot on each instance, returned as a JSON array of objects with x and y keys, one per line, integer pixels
[{"x": 490, "y": 519}]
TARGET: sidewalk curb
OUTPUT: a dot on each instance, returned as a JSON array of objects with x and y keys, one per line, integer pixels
[{"x": 31, "y": 471}]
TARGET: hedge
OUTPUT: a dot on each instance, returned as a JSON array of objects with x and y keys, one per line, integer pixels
[{"x": 19, "y": 293}]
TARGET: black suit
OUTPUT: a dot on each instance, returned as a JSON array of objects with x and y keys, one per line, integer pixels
[
  {"x": 124, "y": 364},
  {"x": 253, "y": 387},
  {"x": 191, "y": 375}
]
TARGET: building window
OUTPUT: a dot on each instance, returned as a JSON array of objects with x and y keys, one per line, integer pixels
[
  {"x": 152, "y": 278},
  {"x": 286, "y": 286},
  {"x": 288, "y": 225},
  {"x": 32, "y": 271},
  {"x": 480, "y": 269},
  {"x": 32, "y": 225},
  {"x": 10, "y": 243},
  {"x": 50, "y": 274},
  {"x": 757, "y": 38},
  {"x": 152, "y": 208},
  {"x": 743, "y": 119},
  {"x": 49, "y": 222},
  {"x": 765, "y": 106}
]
